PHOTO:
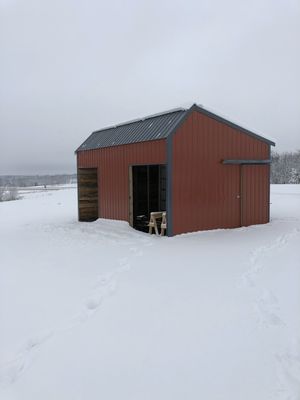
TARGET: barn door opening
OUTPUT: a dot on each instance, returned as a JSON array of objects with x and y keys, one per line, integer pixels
[
  {"x": 87, "y": 194},
  {"x": 147, "y": 193}
]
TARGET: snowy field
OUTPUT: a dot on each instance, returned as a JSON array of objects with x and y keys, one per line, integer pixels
[{"x": 100, "y": 311}]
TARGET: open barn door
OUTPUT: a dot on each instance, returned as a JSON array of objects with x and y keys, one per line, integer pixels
[
  {"x": 147, "y": 193},
  {"x": 87, "y": 194}
]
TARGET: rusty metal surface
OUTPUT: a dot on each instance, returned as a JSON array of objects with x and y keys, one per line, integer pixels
[{"x": 205, "y": 193}]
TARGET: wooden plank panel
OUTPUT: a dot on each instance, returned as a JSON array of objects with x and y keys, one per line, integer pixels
[{"x": 87, "y": 194}]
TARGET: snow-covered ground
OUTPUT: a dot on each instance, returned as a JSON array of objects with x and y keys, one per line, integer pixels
[{"x": 100, "y": 311}]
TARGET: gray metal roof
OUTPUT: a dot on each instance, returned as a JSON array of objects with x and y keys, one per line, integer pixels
[{"x": 154, "y": 127}]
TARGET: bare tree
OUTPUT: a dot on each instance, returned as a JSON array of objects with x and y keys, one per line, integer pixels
[
  {"x": 8, "y": 194},
  {"x": 294, "y": 176},
  {"x": 2, "y": 191},
  {"x": 285, "y": 167}
]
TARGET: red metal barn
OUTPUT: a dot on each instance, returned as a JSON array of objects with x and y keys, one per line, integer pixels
[{"x": 204, "y": 170}]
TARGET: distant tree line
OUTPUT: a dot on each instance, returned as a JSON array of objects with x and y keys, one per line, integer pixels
[
  {"x": 9, "y": 184},
  {"x": 285, "y": 167},
  {"x": 36, "y": 180}
]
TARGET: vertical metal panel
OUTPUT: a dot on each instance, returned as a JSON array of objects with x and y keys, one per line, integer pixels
[
  {"x": 113, "y": 172},
  {"x": 205, "y": 193},
  {"x": 255, "y": 194}
]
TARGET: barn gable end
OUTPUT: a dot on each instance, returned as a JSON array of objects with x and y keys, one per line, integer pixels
[{"x": 209, "y": 190}]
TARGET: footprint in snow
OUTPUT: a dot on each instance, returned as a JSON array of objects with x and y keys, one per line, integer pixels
[
  {"x": 39, "y": 339},
  {"x": 137, "y": 252},
  {"x": 288, "y": 363},
  {"x": 124, "y": 267},
  {"x": 11, "y": 371},
  {"x": 103, "y": 280},
  {"x": 94, "y": 302},
  {"x": 123, "y": 261},
  {"x": 268, "y": 310}
]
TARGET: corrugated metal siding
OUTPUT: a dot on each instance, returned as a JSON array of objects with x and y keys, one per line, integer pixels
[
  {"x": 204, "y": 191},
  {"x": 113, "y": 173},
  {"x": 255, "y": 194},
  {"x": 150, "y": 128}
]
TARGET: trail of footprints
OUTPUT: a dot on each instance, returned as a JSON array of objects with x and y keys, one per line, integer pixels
[
  {"x": 255, "y": 265},
  {"x": 266, "y": 306},
  {"x": 289, "y": 372},
  {"x": 268, "y": 313},
  {"x": 104, "y": 287}
]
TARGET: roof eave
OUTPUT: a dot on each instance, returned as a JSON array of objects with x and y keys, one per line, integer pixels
[{"x": 118, "y": 145}]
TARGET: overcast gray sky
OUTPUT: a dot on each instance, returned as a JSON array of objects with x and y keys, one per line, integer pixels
[{"x": 70, "y": 67}]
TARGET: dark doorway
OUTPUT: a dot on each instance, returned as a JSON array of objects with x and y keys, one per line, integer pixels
[
  {"x": 148, "y": 193},
  {"x": 87, "y": 194}
]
